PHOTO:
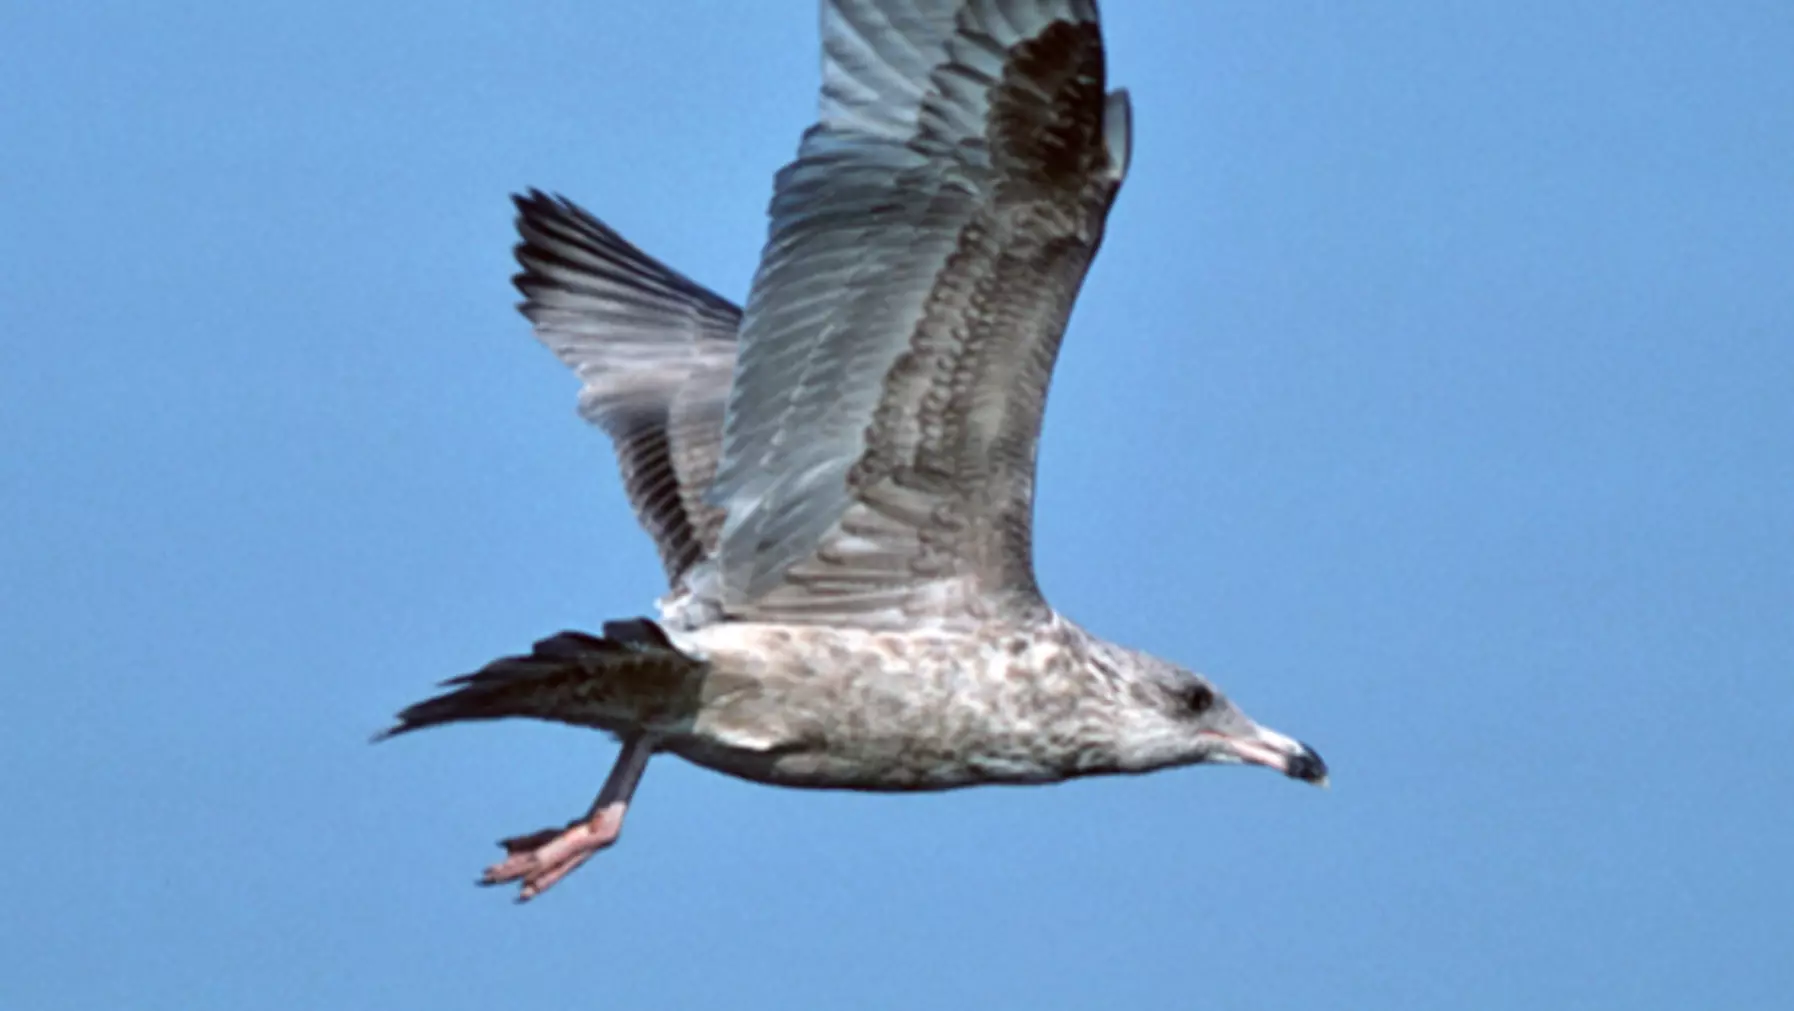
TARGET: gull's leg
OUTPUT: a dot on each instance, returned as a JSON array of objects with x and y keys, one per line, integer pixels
[{"x": 542, "y": 858}]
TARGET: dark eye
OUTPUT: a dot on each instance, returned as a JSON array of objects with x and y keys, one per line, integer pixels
[{"x": 1198, "y": 697}]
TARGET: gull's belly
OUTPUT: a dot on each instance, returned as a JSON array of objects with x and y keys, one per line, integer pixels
[{"x": 925, "y": 709}]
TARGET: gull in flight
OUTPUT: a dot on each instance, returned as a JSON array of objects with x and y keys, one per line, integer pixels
[{"x": 840, "y": 477}]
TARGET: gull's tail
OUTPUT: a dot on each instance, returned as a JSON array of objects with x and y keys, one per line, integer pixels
[{"x": 631, "y": 679}]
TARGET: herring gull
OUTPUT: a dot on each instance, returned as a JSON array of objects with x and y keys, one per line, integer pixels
[{"x": 840, "y": 477}]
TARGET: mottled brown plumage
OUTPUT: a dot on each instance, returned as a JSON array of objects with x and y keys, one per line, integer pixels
[{"x": 840, "y": 478}]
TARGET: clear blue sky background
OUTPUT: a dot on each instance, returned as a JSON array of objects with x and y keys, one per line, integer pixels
[{"x": 1432, "y": 393}]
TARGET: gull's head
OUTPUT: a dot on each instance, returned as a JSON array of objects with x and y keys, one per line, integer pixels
[{"x": 1177, "y": 717}]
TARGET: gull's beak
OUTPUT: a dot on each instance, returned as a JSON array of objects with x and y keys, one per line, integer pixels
[{"x": 1285, "y": 754}]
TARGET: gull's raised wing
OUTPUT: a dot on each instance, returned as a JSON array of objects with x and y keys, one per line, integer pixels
[{"x": 924, "y": 252}]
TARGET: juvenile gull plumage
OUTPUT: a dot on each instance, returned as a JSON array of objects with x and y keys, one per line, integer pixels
[{"x": 840, "y": 479}]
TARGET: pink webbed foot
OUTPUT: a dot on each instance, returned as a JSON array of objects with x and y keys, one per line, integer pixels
[{"x": 542, "y": 858}]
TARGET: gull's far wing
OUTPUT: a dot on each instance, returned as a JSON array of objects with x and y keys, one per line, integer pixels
[{"x": 655, "y": 350}]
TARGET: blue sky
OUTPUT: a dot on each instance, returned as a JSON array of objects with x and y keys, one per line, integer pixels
[{"x": 1431, "y": 393}]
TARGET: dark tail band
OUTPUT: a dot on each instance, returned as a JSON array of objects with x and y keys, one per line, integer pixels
[{"x": 571, "y": 677}]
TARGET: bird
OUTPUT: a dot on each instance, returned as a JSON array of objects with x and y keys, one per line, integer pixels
[{"x": 839, "y": 476}]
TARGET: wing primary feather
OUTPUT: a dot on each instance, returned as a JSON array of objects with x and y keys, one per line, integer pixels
[{"x": 654, "y": 349}]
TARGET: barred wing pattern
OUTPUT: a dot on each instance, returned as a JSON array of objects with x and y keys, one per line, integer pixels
[{"x": 924, "y": 252}]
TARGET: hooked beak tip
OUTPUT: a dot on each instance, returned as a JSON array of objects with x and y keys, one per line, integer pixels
[
  {"x": 1307, "y": 766},
  {"x": 1284, "y": 754}
]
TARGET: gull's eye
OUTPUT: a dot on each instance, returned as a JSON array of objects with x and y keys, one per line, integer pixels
[{"x": 1198, "y": 697}]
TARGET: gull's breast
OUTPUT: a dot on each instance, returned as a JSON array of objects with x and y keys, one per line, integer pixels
[{"x": 906, "y": 709}]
